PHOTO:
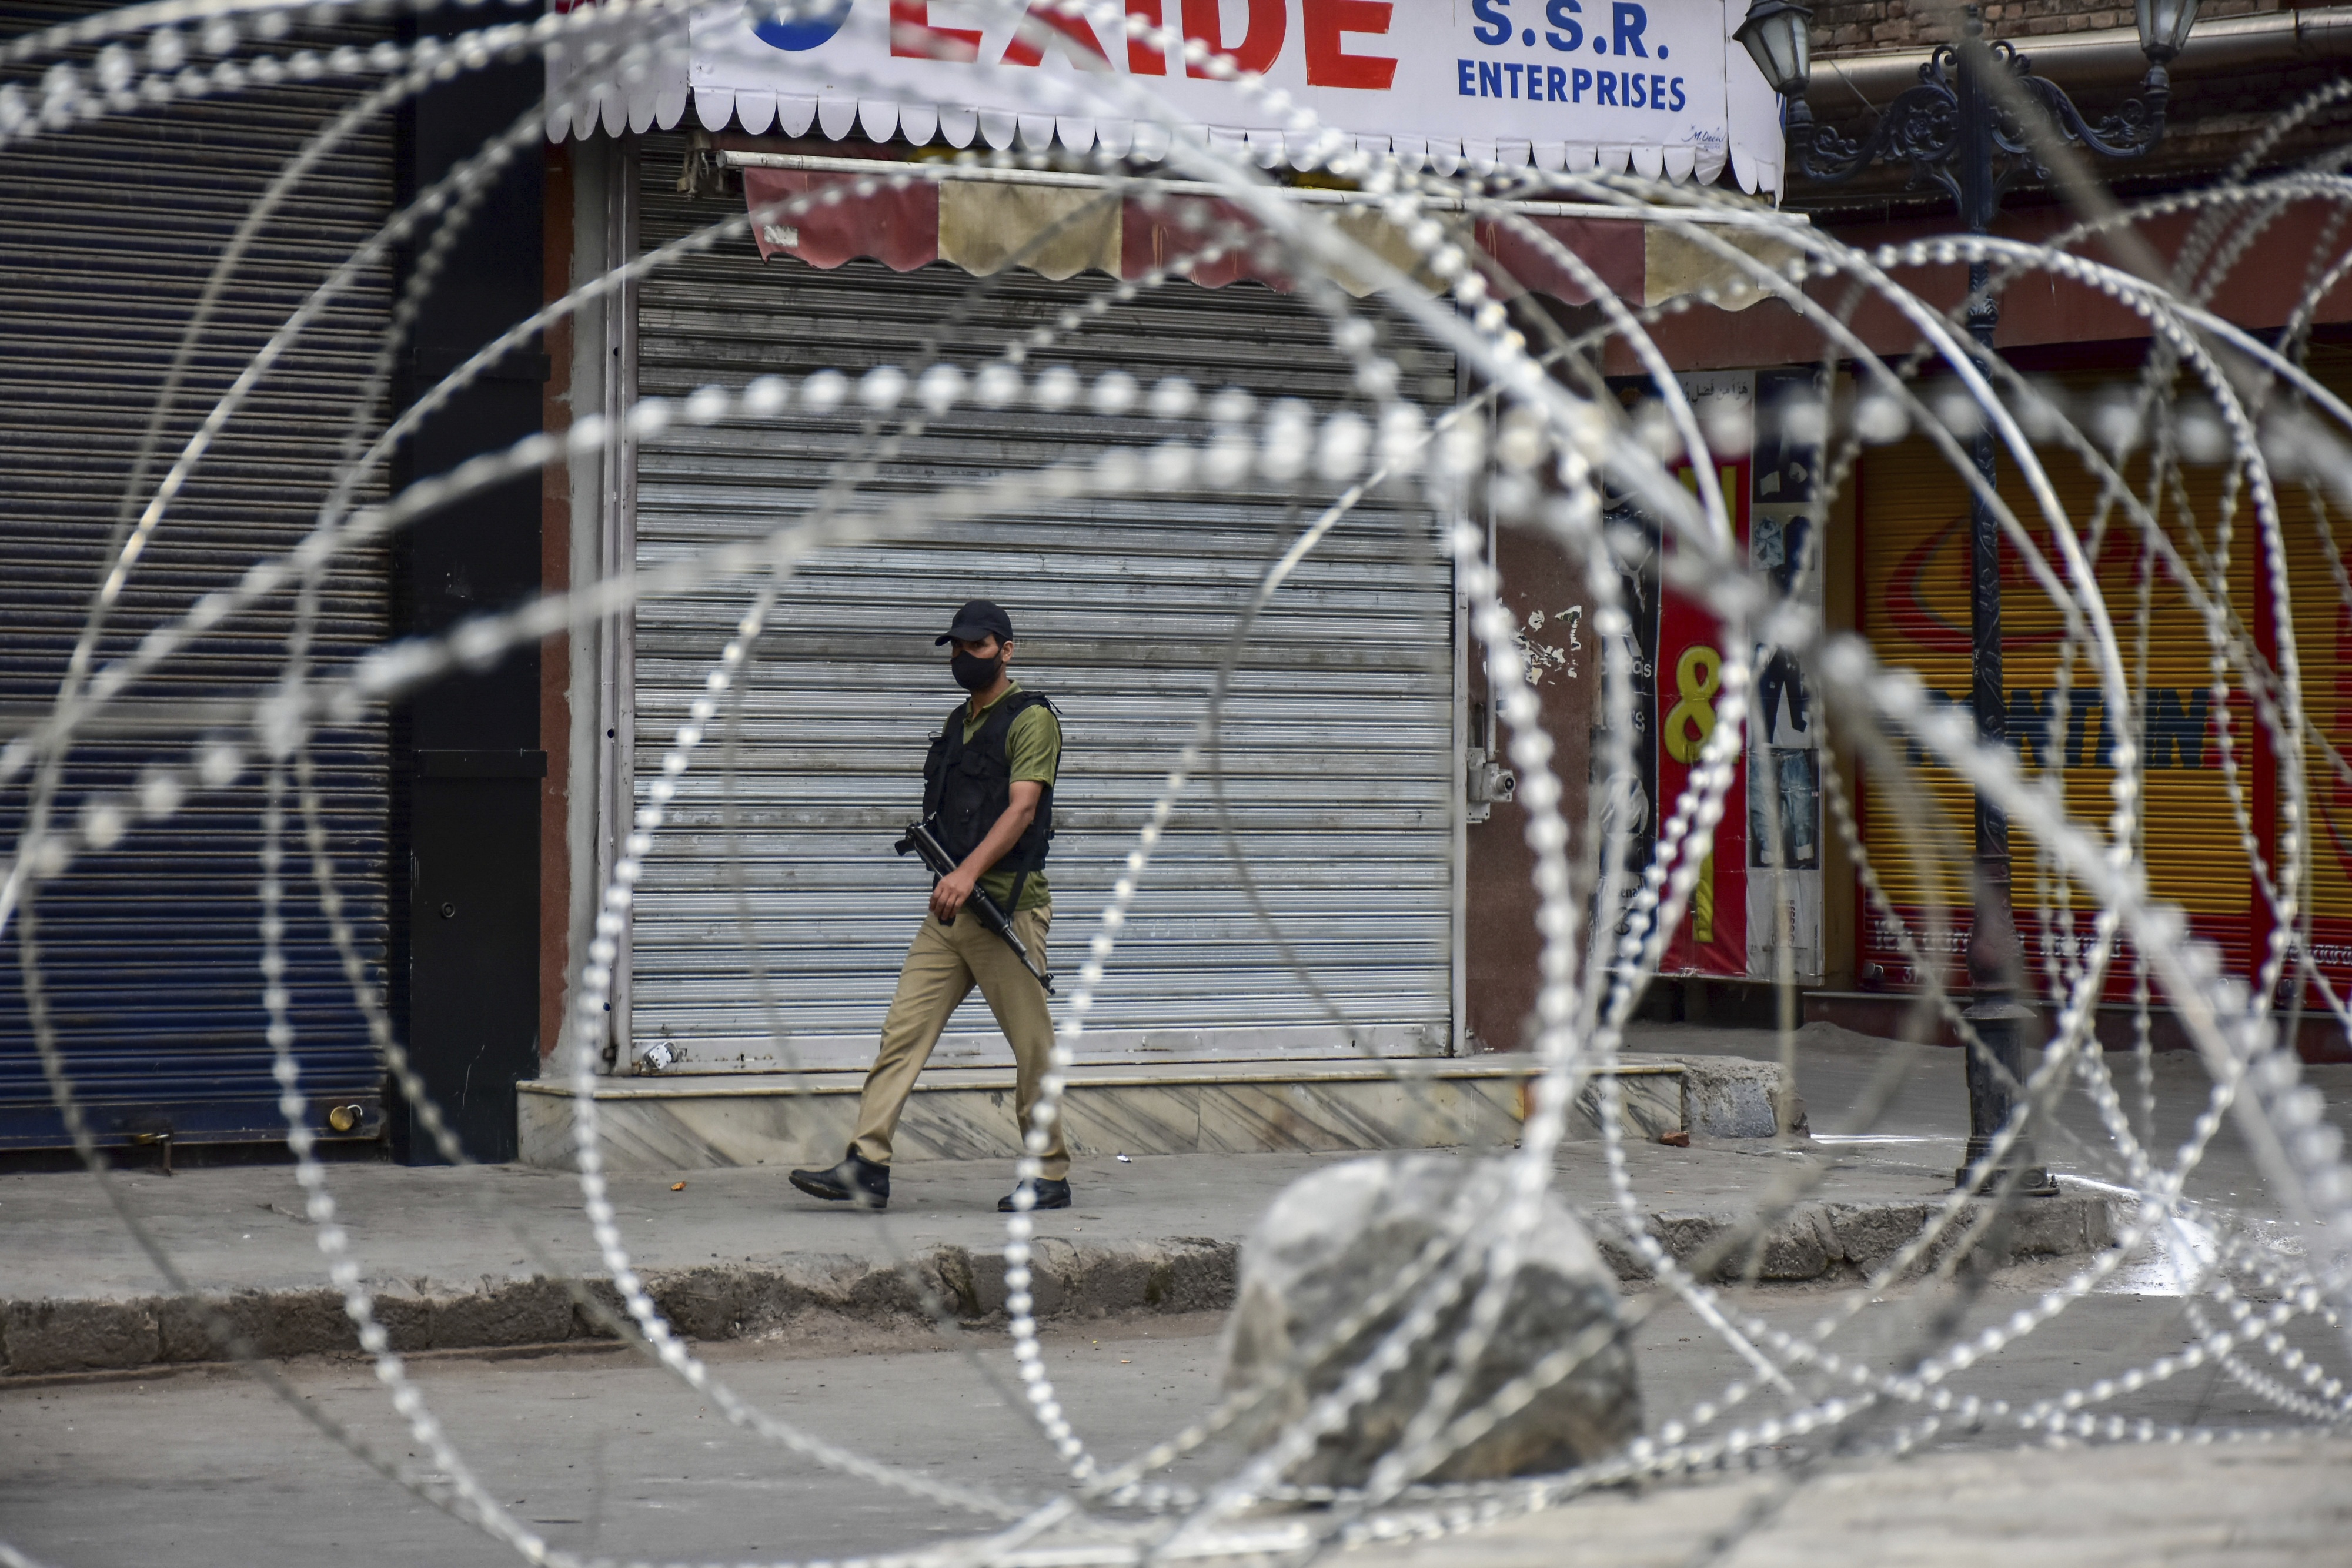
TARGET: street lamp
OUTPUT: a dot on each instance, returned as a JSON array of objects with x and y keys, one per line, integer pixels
[
  {"x": 1776, "y": 37},
  {"x": 1952, "y": 131}
]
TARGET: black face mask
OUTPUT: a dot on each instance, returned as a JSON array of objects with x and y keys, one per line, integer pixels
[{"x": 974, "y": 674}]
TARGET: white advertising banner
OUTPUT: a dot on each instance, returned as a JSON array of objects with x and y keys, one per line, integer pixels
[
  {"x": 1784, "y": 731},
  {"x": 1656, "y": 86}
]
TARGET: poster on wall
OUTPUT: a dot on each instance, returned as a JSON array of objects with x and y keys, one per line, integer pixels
[
  {"x": 1759, "y": 891},
  {"x": 1712, "y": 937},
  {"x": 1629, "y": 797},
  {"x": 1784, "y": 734}
]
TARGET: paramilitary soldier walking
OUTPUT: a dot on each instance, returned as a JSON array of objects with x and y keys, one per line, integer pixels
[{"x": 988, "y": 799}]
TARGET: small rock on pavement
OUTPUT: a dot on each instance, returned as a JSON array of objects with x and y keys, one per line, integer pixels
[{"x": 1336, "y": 1238}]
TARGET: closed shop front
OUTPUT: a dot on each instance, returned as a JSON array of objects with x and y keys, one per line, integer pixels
[
  {"x": 2316, "y": 542},
  {"x": 148, "y": 954},
  {"x": 1304, "y": 904},
  {"x": 1914, "y": 610}
]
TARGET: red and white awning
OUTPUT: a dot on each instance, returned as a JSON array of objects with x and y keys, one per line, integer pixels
[
  {"x": 986, "y": 220},
  {"x": 1655, "y": 87}
]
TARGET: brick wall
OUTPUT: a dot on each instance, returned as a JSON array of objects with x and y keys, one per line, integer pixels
[{"x": 1867, "y": 26}]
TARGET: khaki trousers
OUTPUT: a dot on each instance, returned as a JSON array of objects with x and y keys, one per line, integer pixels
[{"x": 942, "y": 969}]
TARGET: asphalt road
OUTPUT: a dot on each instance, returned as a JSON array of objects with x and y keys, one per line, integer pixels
[{"x": 604, "y": 1455}]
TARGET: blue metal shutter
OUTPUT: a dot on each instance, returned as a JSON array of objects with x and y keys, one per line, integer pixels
[{"x": 150, "y": 953}]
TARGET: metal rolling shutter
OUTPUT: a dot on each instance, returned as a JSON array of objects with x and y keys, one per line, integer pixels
[
  {"x": 1915, "y": 613},
  {"x": 1340, "y": 759},
  {"x": 150, "y": 953},
  {"x": 2322, "y": 628}
]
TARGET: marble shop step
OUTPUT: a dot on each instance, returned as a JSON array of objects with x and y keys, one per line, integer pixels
[{"x": 718, "y": 1121}]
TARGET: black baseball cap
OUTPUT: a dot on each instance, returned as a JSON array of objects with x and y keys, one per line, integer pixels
[{"x": 976, "y": 622}]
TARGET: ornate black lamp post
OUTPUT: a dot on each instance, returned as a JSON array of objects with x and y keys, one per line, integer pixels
[{"x": 1953, "y": 131}]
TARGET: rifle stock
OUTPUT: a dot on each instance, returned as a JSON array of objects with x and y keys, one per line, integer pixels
[{"x": 919, "y": 839}]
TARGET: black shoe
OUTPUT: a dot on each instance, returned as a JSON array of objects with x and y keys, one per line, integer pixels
[
  {"x": 1050, "y": 1195},
  {"x": 857, "y": 1180}
]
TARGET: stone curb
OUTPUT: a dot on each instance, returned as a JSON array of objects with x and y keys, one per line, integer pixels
[
  {"x": 1178, "y": 1274},
  {"x": 1826, "y": 1240}
]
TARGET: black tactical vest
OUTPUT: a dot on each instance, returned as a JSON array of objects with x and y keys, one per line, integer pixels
[{"x": 967, "y": 787}]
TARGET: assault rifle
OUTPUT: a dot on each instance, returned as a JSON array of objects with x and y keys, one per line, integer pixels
[{"x": 920, "y": 839}]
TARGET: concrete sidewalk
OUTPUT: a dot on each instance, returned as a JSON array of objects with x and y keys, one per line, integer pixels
[{"x": 737, "y": 1253}]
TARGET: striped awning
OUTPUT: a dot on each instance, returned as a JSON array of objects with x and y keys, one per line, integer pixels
[{"x": 1058, "y": 224}]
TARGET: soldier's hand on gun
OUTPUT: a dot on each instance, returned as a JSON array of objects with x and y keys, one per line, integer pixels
[{"x": 951, "y": 893}]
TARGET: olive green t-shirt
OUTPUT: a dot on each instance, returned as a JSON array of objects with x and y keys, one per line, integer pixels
[{"x": 1034, "y": 747}]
